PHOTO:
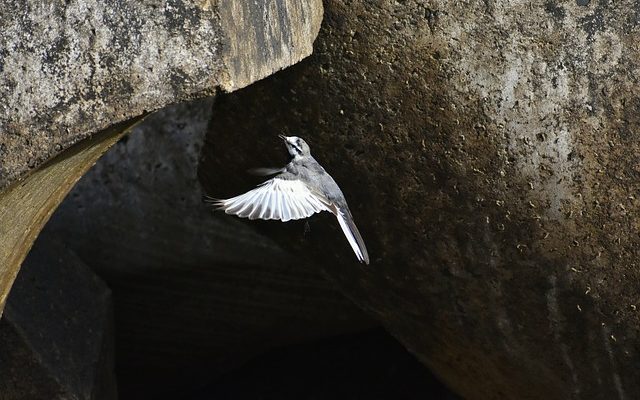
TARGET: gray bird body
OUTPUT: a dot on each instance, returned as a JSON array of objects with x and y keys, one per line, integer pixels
[
  {"x": 309, "y": 171},
  {"x": 298, "y": 190}
]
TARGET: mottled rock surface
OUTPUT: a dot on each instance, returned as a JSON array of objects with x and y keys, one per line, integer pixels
[
  {"x": 195, "y": 293},
  {"x": 56, "y": 335},
  {"x": 489, "y": 153},
  {"x": 72, "y": 68}
]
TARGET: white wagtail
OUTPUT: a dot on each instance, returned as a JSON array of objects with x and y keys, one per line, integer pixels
[{"x": 299, "y": 190}]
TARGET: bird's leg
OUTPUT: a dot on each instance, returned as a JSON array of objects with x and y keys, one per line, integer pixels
[{"x": 307, "y": 228}]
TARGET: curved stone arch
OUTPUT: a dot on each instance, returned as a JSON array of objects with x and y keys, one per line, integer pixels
[{"x": 25, "y": 207}]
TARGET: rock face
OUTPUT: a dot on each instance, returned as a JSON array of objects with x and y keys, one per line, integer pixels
[
  {"x": 195, "y": 293},
  {"x": 71, "y": 69},
  {"x": 489, "y": 155},
  {"x": 56, "y": 336}
]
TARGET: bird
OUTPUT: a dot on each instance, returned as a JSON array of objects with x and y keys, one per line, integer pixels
[{"x": 298, "y": 190}]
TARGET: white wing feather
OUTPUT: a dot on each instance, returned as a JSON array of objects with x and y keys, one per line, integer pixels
[{"x": 278, "y": 199}]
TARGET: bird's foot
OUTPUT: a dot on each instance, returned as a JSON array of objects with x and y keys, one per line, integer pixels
[{"x": 307, "y": 228}]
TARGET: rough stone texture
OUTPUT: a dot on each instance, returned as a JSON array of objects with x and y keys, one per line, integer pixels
[
  {"x": 489, "y": 153},
  {"x": 195, "y": 293},
  {"x": 72, "y": 68},
  {"x": 56, "y": 336},
  {"x": 264, "y": 36}
]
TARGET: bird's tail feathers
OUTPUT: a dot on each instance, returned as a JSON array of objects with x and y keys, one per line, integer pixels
[{"x": 353, "y": 235}]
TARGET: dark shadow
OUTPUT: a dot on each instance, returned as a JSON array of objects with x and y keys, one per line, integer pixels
[{"x": 370, "y": 365}]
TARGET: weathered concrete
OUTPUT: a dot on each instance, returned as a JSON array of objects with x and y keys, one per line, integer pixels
[
  {"x": 194, "y": 294},
  {"x": 489, "y": 153},
  {"x": 71, "y": 69},
  {"x": 56, "y": 337}
]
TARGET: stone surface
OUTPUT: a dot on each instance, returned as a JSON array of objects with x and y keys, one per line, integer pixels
[
  {"x": 488, "y": 151},
  {"x": 73, "y": 70},
  {"x": 195, "y": 293},
  {"x": 262, "y": 37},
  {"x": 56, "y": 336}
]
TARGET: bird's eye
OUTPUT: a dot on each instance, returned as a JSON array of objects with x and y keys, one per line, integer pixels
[{"x": 295, "y": 147}]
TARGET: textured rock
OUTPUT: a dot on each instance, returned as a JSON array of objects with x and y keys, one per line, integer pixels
[
  {"x": 488, "y": 151},
  {"x": 69, "y": 69},
  {"x": 195, "y": 293},
  {"x": 72, "y": 69},
  {"x": 56, "y": 336}
]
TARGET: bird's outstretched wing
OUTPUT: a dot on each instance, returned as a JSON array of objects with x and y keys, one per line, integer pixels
[
  {"x": 279, "y": 199},
  {"x": 290, "y": 199}
]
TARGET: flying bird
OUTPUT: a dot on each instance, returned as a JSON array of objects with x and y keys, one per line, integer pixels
[{"x": 298, "y": 190}]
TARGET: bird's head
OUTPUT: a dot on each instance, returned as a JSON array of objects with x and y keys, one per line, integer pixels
[{"x": 296, "y": 146}]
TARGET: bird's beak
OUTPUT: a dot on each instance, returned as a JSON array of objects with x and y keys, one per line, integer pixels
[{"x": 283, "y": 137}]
